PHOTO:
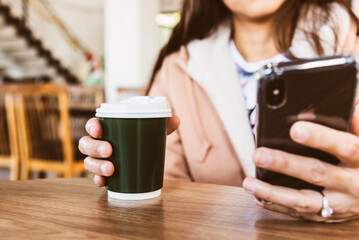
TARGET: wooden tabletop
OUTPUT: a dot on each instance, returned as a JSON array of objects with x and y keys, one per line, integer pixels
[{"x": 77, "y": 209}]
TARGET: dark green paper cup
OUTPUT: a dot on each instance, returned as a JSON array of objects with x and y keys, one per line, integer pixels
[{"x": 136, "y": 129}]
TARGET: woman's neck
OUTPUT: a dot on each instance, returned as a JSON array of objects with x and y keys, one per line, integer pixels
[{"x": 254, "y": 40}]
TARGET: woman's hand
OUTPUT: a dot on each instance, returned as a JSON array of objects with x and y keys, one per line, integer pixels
[
  {"x": 97, "y": 150},
  {"x": 341, "y": 182}
]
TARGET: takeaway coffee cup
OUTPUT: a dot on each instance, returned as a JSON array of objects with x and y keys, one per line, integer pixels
[{"x": 136, "y": 129}]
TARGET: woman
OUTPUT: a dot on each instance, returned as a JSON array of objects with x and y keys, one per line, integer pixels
[{"x": 206, "y": 73}]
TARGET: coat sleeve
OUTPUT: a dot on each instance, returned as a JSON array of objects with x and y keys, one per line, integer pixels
[{"x": 176, "y": 167}]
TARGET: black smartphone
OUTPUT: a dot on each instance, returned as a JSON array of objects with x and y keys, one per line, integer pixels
[{"x": 320, "y": 90}]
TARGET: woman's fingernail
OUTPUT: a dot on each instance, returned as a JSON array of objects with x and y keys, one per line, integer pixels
[
  {"x": 262, "y": 158},
  {"x": 88, "y": 127},
  {"x": 258, "y": 203},
  {"x": 85, "y": 163},
  {"x": 102, "y": 150},
  {"x": 250, "y": 186},
  {"x": 104, "y": 169},
  {"x": 300, "y": 132},
  {"x": 91, "y": 130},
  {"x": 97, "y": 180}
]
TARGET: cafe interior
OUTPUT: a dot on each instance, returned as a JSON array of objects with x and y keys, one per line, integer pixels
[{"x": 59, "y": 60}]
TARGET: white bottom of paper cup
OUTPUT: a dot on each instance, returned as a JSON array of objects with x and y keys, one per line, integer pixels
[{"x": 134, "y": 196}]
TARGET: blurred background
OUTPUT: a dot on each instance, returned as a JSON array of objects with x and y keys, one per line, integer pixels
[{"x": 59, "y": 59}]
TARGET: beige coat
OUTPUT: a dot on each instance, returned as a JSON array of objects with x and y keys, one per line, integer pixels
[{"x": 214, "y": 143}]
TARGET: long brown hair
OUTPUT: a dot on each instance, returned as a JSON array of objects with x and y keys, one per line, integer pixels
[{"x": 200, "y": 18}]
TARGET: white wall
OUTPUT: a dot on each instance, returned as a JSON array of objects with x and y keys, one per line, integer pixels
[
  {"x": 131, "y": 43},
  {"x": 170, "y": 5},
  {"x": 86, "y": 18}
]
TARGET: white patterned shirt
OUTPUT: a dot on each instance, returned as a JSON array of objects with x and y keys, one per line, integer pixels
[{"x": 246, "y": 71}]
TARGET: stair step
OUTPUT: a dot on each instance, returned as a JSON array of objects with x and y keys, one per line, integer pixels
[
  {"x": 37, "y": 67},
  {"x": 5, "y": 63},
  {"x": 23, "y": 54},
  {"x": 30, "y": 72},
  {"x": 35, "y": 62},
  {"x": 15, "y": 44},
  {"x": 8, "y": 33},
  {"x": 38, "y": 72},
  {"x": 2, "y": 20}
]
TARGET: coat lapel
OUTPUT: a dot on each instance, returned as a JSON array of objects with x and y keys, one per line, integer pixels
[{"x": 211, "y": 65}]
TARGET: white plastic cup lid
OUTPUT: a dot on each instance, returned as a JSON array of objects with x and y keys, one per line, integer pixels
[{"x": 135, "y": 107}]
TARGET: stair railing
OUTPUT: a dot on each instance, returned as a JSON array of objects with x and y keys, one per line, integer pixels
[{"x": 48, "y": 26}]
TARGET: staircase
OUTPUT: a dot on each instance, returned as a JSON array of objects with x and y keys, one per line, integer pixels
[{"x": 24, "y": 57}]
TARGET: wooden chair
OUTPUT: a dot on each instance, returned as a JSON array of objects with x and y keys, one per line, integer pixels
[
  {"x": 85, "y": 98},
  {"x": 9, "y": 149},
  {"x": 45, "y": 133},
  {"x": 83, "y": 103}
]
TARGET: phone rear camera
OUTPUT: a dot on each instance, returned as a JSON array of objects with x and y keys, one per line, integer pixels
[{"x": 275, "y": 93}]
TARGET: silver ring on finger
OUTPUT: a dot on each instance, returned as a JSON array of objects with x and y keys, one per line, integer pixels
[{"x": 326, "y": 211}]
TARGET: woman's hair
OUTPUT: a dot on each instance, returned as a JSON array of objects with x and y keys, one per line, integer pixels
[{"x": 200, "y": 18}]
